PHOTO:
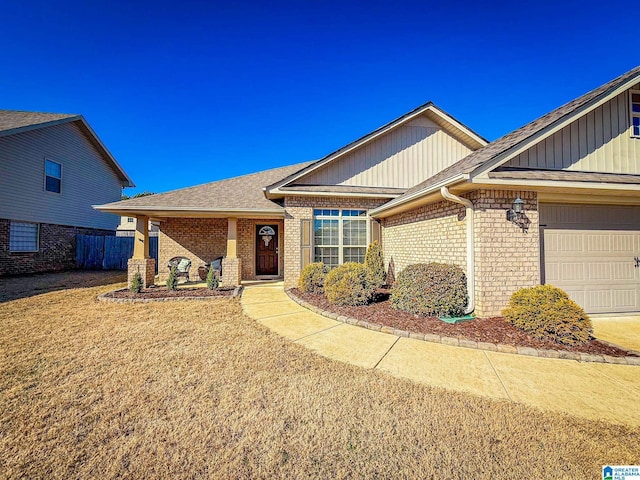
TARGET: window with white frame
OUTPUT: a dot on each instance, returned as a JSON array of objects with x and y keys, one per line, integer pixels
[
  {"x": 23, "y": 237},
  {"x": 52, "y": 176},
  {"x": 634, "y": 109},
  {"x": 339, "y": 236}
]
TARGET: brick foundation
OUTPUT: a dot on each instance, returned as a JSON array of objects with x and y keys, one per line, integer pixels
[
  {"x": 231, "y": 271},
  {"x": 145, "y": 266},
  {"x": 57, "y": 249}
]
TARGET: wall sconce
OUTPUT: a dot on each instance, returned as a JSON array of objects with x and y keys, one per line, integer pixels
[{"x": 516, "y": 213}]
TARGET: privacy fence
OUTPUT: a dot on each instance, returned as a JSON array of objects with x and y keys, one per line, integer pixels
[{"x": 95, "y": 252}]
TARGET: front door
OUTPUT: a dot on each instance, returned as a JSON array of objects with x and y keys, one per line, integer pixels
[{"x": 266, "y": 250}]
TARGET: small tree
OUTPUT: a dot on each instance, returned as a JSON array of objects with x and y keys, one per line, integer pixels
[
  {"x": 212, "y": 279},
  {"x": 136, "y": 283},
  {"x": 374, "y": 264},
  {"x": 172, "y": 281}
]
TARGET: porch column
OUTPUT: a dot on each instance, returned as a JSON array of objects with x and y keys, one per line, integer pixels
[
  {"x": 141, "y": 262},
  {"x": 231, "y": 264}
]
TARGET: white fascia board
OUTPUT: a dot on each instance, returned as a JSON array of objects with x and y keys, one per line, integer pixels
[
  {"x": 106, "y": 151},
  {"x": 26, "y": 128},
  {"x": 334, "y": 194},
  {"x": 416, "y": 195},
  {"x": 458, "y": 125},
  {"x": 564, "y": 184},
  {"x": 483, "y": 169},
  {"x": 194, "y": 211}
]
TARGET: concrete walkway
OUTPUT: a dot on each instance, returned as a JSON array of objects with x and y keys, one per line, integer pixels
[{"x": 593, "y": 390}]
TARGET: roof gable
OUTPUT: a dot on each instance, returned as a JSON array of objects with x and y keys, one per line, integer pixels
[
  {"x": 13, "y": 122},
  {"x": 496, "y": 153},
  {"x": 428, "y": 114}
]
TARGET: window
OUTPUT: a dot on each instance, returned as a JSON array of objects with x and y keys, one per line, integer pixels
[
  {"x": 130, "y": 219},
  {"x": 339, "y": 236},
  {"x": 634, "y": 107},
  {"x": 52, "y": 176},
  {"x": 23, "y": 237}
]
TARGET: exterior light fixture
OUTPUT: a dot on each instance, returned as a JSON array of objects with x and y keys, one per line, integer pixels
[{"x": 516, "y": 213}]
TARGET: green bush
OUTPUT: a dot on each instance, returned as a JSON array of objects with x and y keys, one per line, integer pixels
[
  {"x": 172, "y": 281},
  {"x": 374, "y": 263},
  {"x": 547, "y": 313},
  {"x": 136, "y": 283},
  {"x": 312, "y": 278},
  {"x": 212, "y": 279},
  {"x": 430, "y": 289},
  {"x": 349, "y": 284}
]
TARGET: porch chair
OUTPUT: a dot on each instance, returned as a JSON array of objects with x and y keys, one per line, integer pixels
[{"x": 182, "y": 264}]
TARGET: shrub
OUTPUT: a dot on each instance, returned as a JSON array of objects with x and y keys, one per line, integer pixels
[
  {"x": 430, "y": 289},
  {"x": 172, "y": 281},
  {"x": 349, "y": 284},
  {"x": 374, "y": 264},
  {"x": 212, "y": 279},
  {"x": 312, "y": 277},
  {"x": 136, "y": 283},
  {"x": 547, "y": 313}
]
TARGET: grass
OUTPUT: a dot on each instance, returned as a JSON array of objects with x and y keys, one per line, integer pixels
[{"x": 192, "y": 390}]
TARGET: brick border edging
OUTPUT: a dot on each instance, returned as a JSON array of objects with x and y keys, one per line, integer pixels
[
  {"x": 237, "y": 292},
  {"x": 455, "y": 342}
]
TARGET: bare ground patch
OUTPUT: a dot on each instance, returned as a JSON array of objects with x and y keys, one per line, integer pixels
[{"x": 175, "y": 390}]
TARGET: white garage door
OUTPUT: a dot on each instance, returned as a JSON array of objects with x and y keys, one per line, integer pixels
[{"x": 593, "y": 253}]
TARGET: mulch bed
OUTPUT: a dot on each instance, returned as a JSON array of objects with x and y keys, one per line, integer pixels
[
  {"x": 491, "y": 330},
  {"x": 161, "y": 292}
]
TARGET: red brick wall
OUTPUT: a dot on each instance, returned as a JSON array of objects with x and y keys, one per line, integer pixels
[{"x": 57, "y": 249}]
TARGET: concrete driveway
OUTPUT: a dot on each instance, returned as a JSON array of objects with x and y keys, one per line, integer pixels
[{"x": 592, "y": 390}]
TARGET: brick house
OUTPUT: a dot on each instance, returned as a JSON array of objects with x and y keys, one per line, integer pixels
[
  {"x": 53, "y": 169},
  {"x": 556, "y": 201}
]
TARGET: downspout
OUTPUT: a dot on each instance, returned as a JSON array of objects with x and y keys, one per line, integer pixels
[{"x": 471, "y": 262}]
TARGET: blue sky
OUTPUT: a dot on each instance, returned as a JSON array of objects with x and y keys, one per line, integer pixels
[{"x": 189, "y": 92}]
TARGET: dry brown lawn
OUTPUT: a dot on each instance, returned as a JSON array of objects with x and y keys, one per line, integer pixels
[{"x": 198, "y": 390}]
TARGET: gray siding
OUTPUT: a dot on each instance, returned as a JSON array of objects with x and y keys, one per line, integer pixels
[
  {"x": 86, "y": 179},
  {"x": 597, "y": 142},
  {"x": 401, "y": 158}
]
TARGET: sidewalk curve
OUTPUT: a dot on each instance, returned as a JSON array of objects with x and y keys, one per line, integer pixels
[{"x": 592, "y": 390}]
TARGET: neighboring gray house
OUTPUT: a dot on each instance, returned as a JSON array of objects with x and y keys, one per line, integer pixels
[{"x": 53, "y": 168}]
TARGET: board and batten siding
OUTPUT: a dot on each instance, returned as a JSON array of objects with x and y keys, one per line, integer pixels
[
  {"x": 86, "y": 179},
  {"x": 599, "y": 141},
  {"x": 401, "y": 158}
]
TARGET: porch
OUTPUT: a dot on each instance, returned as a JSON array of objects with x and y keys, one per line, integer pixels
[{"x": 251, "y": 247}]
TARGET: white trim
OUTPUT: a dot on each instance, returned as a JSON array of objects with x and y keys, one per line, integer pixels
[
  {"x": 255, "y": 249},
  {"x": 320, "y": 193},
  {"x": 417, "y": 194},
  {"x": 565, "y": 184},
  {"x": 46, "y": 175},
  {"x": 340, "y": 218},
  {"x": 633, "y": 114}
]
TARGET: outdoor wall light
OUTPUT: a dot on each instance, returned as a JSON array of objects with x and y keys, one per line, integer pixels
[{"x": 516, "y": 212}]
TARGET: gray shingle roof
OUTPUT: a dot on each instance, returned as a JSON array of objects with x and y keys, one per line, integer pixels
[
  {"x": 242, "y": 193},
  {"x": 489, "y": 152},
  {"x": 16, "y": 119}
]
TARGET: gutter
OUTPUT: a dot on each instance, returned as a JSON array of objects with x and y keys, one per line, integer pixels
[{"x": 469, "y": 217}]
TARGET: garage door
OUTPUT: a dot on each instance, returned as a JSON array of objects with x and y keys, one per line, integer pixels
[{"x": 593, "y": 253}]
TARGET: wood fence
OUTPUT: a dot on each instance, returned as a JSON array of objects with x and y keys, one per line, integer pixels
[{"x": 95, "y": 252}]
